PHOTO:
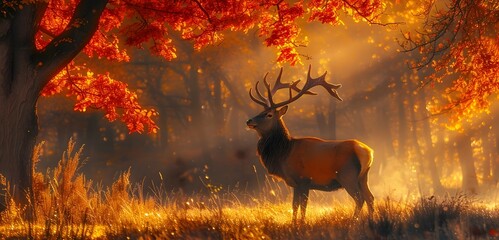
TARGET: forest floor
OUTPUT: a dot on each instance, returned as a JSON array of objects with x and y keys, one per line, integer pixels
[
  {"x": 430, "y": 218},
  {"x": 66, "y": 205}
]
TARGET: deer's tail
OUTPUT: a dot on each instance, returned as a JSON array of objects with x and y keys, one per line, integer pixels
[{"x": 365, "y": 156}]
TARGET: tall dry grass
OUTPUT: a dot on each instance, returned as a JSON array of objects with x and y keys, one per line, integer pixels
[{"x": 66, "y": 205}]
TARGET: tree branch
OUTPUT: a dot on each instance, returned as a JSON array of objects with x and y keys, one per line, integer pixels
[
  {"x": 371, "y": 20},
  {"x": 203, "y": 10},
  {"x": 63, "y": 48}
]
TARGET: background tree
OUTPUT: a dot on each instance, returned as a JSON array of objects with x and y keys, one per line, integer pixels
[
  {"x": 456, "y": 44},
  {"x": 458, "y": 41}
]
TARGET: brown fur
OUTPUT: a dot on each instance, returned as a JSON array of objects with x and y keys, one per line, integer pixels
[
  {"x": 320, "y": 160},
  {"x": 312, "y": 163}
]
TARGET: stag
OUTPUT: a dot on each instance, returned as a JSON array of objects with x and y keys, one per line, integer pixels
[{"x": 309, "y": 163}]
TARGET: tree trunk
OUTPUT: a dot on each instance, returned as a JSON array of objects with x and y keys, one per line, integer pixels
[
  {"x": 24, "y": 71},
  {"x": 332, "y": 119},
  {"x": 495, "y": 162},
  {"x": 321, "y": 120},
  {"x": 196, "y": 108},
  {"x": 403, "y": 128},
  {"x": 430, "y": 155},
  {"x": 488, "y": 152},
  {"x": 470, "y": 182},
  {"x": 18, "y": 131},
  {"x": 163, "y": 128},
  {"x": 420, "y": 160},
  {"x": 18, "y": 96},
  {"x": 384, "y": 129},
  {"x": 217, "y": 105}
]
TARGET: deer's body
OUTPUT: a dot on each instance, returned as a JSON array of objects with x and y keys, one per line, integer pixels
[{"x": 310, "y": 163}]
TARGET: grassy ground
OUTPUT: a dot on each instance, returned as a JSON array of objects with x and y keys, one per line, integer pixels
[
  {"x": 67, "y": 205},
  {"x": 428, "y": 219}
]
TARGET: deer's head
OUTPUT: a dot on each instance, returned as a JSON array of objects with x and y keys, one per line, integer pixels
[
  {"x": 271, "y": 116},
  {"x": 265, "y": 121}
]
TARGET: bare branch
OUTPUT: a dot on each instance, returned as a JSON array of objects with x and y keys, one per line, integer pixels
[
  {"x": 369, "y": 20},
  {"x": 203, "y": 10}
]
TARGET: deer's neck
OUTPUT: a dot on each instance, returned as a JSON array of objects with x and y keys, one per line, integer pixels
[{"x": 274, "y": 147}]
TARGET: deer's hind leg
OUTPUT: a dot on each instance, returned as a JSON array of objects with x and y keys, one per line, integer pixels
[
  {"x": 348, "y": 177},
  {"x": 366, "y": 192}
]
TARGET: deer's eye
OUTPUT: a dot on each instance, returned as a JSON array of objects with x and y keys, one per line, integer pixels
[{"x": 269, "y": 115}]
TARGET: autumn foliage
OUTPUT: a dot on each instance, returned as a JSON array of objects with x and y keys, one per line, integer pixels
[
  {"x": 456, "y": 38},
  {"x": 459, "y": 41},
  {"x": 477, "y": 67},
  {"x": 155, "y": 24}
]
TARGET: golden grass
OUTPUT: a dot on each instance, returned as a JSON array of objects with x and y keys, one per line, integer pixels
[{"x": 68, "y": 206}]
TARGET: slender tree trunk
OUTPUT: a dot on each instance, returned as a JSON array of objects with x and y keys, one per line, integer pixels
[
  {"x": 320, "y": 119},
  {"x": 91, "y": 134},
  {"x": 403, "y": 128},
  {"x": 383, "y": 129},
  {"x": 430, "y": 155},
  {"x": 495, "y": 162},
  {"x": 332, "y": 119},
  {"x": 64, "y": 132},
  {"x": 217, "y": 105},
  {"x": 470, "y": 181},
  {"x": 488, "y": 152},
  {"x": 193, "y": 89},
  {"x": 163, "y": 128},
  {"x": 420, "y": 160}
]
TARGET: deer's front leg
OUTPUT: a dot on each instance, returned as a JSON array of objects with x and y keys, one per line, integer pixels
[
  {"x": 300, "y": 199},
  {"x": 296, "y": 202}
]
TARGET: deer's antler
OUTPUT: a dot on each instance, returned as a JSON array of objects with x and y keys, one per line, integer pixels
[
  {"x": 280, "y": 85},
  {"x": 268, "y": 102}
]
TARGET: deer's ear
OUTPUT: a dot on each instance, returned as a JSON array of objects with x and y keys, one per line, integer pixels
[{"x": 282, "y": 111}]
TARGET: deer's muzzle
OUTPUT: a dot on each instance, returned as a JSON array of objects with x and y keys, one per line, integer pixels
[{"x": 250, "y": 123}]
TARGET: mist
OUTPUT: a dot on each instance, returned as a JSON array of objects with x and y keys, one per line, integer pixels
[{"x": 203, "y": 101}]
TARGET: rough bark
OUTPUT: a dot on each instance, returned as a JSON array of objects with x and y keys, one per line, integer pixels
[
  {"x": 18, "y": 131},
  {"x": 18, "y": 95},
  {"x": 24, "y": 71}
]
